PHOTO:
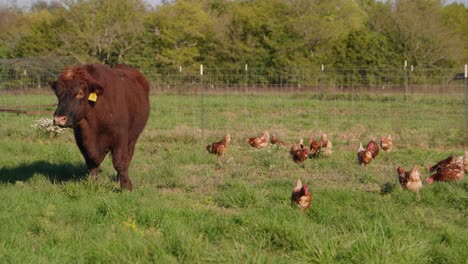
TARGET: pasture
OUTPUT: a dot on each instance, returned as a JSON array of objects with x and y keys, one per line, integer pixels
[{"x": 190, "y": 206}]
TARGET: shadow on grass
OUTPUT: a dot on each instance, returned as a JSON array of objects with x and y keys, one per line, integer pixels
[{"x": 55, "y": 172}]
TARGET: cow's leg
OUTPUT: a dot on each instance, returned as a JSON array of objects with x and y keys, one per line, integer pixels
[
  {"x": 131, "y": 149},
  {"x": 92, "y": 154},
  {"x": 120, "y": 160},
  {"x": 93, "y": 165}
]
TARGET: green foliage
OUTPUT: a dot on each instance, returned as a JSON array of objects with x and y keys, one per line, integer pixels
[{"x": 268, "y": 34}]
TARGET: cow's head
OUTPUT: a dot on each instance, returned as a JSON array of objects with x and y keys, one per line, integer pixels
[{"x": 75, "y": 90}]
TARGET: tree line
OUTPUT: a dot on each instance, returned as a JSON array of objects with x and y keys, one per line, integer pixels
[{"x": 267, "y": 34}]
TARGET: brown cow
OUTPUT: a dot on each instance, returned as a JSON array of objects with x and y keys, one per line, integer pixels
[{"x": 107, "y": 109}]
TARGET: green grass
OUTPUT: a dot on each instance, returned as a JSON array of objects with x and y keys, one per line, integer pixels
[{"x": 190, "y": 206}]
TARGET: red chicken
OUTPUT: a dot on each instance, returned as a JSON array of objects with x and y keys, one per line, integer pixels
[
  {"x": 373, "y": 148},
  {"x": 219, "y": 148},
  {"x": 297, "y": 146},
  {"x": 259, "y": 142},
  {"x": 386, "y": 143},
  {"x": 275, "y": 141},
  {"x": 365, "y": 156},
  {"x": 315, "y": 147},
  {"x": 323, "y": 146},
  {"x": 301, "y": 196},
  {"x": 410, "y": 180},
  {"x": 298, "y": 153},
  {"x": 465, "y": 162},
  {"x": 449, "y": 169},
  {"x": 443, "y": 163}
]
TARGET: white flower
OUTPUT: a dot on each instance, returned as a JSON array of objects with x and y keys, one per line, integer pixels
[{"x": 46, "y": 126}]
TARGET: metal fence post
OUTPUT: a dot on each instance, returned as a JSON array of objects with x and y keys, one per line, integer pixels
[
  {"x": 180, "y": 89},
  {"x": 321, "y": 78},
  {"x": 246, "y": 77},
  {"x": 405, "y": 70},
  {"x": 465, "y": 143},
  {"x": 202, "y": 110}
]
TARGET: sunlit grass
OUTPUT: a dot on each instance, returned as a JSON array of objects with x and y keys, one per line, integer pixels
[{"x": 190, "y": 206}]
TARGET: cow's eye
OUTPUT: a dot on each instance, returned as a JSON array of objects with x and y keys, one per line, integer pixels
[{"x": 80, "y": 95}]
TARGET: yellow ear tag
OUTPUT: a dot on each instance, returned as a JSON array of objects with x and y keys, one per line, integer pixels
[{"x": 92, "y": 97}]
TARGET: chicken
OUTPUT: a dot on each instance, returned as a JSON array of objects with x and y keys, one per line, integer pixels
[
  {"x": 275, "y": 141},
  {"x": 298, "y": 153},
  {"x": 365, "y": 156},
  {"x": 386, "y": 143},
  {"x": 259, "y": 142},
  {"x": 410, "y": 180},
  {"x": 323, "y": 146},
  {"x": 465, "y": 162},
  {"x": 297, "y": 146},
  {"x": 315, "y": 147},
  {"x": 361, "y": 155},
  {"x": 373, "y": 148},
  {"x": 443, "y": 163},
  {"x": 449, "y": 169},
  {"x": 301, "y": 196},
  {"x": 219, "y": 148},
  {"x": 326, "y": 145}
]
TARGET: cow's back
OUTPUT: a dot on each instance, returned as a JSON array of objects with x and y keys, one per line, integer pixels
[
  {"x": 137, "y": 97},
  {"x": 134, "y": 74},
  {"x": 126, "y": 95}
]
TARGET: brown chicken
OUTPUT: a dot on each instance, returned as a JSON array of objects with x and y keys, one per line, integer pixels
[
  {"x": 324, "y": 146},
  {"x": 465, "y": 162},
  {"x": 386, "y": 143},
  {"x": 443, "y": 163},
  {"x": 449, "y": 169},
  {"x": 259, "y": 142},
  {"x": 410, "y": 180},
  {"x": 219, "y": 148},
  {"x": 327, "y": 146},
  {"x": 301, "y": 196},
  {"x": 275, "y": 141},
  {"x": 297, "y": 146},
  {"x": 298, "y": 153},
  {"x": 365, "y": 156}
]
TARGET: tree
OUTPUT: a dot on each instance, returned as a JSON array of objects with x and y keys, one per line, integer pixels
[
  {"x": 455, "y": 16},
  {"x": 416, "y": 30},
  {"x": 105, "y": 30},
  {"x": 323, "y": 23},
  {"x": 178, "y": 30}
]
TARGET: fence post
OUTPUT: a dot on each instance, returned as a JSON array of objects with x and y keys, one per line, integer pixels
[
  {"x": 321, "y": 78},
  {"x": 465, "y": 143},
  {"x": 246, "y": 77},
  {"x": 411, "y": 78},
  {"x": 202, "y": 110},
  {"x": 179, "y": 88},
  {"x": 406, "y": 79}
]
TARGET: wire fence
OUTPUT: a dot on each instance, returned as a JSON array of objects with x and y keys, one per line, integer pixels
[
  {"x": 309, "y": 80},
  {"x": 250, "y": 100}
]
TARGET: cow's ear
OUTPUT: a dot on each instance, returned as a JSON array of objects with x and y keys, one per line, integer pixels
[
  {"x": 53, "y": 85},
  {"x": 95, "y": 87}
]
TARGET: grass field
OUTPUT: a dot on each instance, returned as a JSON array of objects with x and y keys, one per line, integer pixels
[{"x": 189, "y": 206}]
